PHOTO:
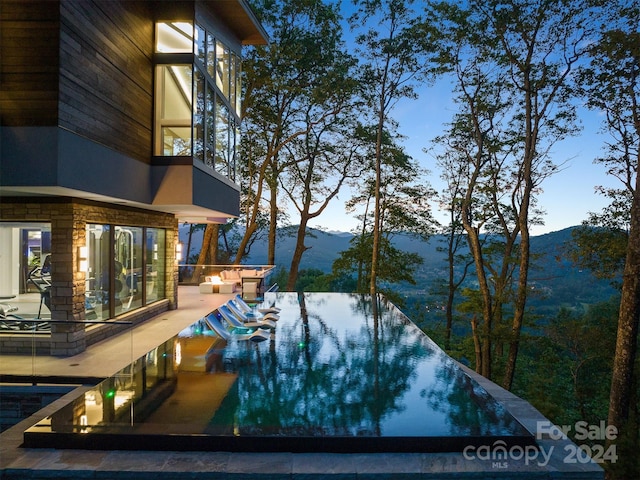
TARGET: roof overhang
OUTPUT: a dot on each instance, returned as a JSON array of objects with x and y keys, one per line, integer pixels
[
  {"x": 239, "y": 17},
  {"x": 184, "y": 213}
]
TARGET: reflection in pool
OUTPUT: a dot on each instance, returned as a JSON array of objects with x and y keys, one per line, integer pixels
[{"x": 334, "y": 376}]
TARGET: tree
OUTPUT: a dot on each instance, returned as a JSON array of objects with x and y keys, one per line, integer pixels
[
  {"x": 403, "y": 207},
  {"x": 316, "y": 164},
  {"x": 455, "y": 239},
  {"x": 611, "y": 86},
  {"x": 600, "y": 243},
  {"x": 285, "y": 96},
  {"x": 512, "y": 62},
  {"x": 392, "y": 48},
  {"x": 315, "y": 174},
  {"x": 209, "y": 251}
]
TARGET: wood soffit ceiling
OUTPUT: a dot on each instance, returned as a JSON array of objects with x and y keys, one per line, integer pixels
[{"x": 241, "y": 19}]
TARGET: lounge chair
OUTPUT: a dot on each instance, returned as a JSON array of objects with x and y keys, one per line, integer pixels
[
  {"x": 228, "y": 334},
  {"x": 251, "y": 316},
  {"x": 242, "y": 321},
  {"x": 239, "y": 301}
]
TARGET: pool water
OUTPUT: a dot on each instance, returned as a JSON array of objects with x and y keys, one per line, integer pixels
[{"x": 336, "y": 374}]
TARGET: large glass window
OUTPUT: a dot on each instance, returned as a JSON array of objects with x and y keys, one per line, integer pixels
[
  {"x": 211, "y": 55},
  {"x": 128, "y": 261},
  {"x": 155, "y": 264},
  {"x": 98, "y": 277},
  {"x": 198, "y": 105},
  {"x": 123, "y": 262},
  {"x": 222, "y": 68},
  {"x": 175, "y": 112},
  {"x": 198, "y": 117},
  {"x": 236, "y": 94},
  {"x": 222, "y": 138},
  {"x": 25, "y": 271},
  {"x": 200, "y": 43},
  {"x": 174, "y": 37},
  {"x": 211, "y": 126}
]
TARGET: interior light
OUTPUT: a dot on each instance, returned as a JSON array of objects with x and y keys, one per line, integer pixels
[
  {"x": 175, "y": 37},
  {"x": 178, "y": 350},
  {"x": 82, "y": 258},
  {"x": 179, "y": 251}
]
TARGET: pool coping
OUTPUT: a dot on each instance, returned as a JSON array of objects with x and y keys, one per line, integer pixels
[{"x": 24, "y": 463}]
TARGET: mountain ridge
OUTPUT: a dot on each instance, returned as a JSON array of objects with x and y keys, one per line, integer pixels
[{"x": 554, "y": 280}]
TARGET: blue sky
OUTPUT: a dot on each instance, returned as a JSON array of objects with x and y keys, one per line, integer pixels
[{"x": 567, "y": 197}]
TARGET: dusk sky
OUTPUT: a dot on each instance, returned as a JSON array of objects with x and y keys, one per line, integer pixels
[{"x": 567, "y": 198}]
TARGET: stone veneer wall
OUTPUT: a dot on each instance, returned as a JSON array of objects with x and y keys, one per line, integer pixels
[{"x": 68, "y": 218}]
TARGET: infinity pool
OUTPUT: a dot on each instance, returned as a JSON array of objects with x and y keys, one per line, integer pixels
[{"x": 335, "y": 375}]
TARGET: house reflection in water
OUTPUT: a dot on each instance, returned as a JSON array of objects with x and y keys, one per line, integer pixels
[{"x": 341, "y": 373}]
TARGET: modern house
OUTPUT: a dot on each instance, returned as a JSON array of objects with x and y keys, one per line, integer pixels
[{"x": 119, "y": 119}]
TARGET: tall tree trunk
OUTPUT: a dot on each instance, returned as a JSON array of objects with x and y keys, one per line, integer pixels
[
  {"x": 273, "y": 226},
  {"x": 375, "y": 249},
  {"x": 186, "y": 255},
  {"x": 477, "y": 347},
  {"x": 213, "y": 246},
  {"x": 531, "y": 136},
  {"x": 252, "y": 209},
  {"x": 487, "y": 302},
  {"x": 519, "y": 310},
  {"x": 627, "y": 336},
  {"x": 297, "y": 254},
  {"x": 361, "y": 285},
  {"x": 449, "y": 310},
  {"x": 208, "y": 251}
]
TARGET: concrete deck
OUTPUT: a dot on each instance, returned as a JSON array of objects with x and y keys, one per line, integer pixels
[{"x": 552, "y": 460}]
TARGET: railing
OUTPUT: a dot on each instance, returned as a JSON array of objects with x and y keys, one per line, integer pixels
[{"x": 31, "y": 339}]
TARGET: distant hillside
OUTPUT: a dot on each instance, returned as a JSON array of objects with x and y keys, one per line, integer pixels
[
  {"x": 324, "y": 249},
  {"x": 554, "y": 280}
]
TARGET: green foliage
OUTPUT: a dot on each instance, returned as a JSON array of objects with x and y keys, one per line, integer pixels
[
  {"x": 565, "y": 367},
  {"x": 280, "y": 277},
  {"x": 315, "y": 280},
  {"x": 394, "y": 265},
  {"x": 601, "y": 250},
  {"x": 312, "y": 280}
]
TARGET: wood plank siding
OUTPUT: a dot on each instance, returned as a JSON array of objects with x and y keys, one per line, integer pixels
[
  {"x": 106, "y": 73},
  {"x": 83, "y": 65},
  {"x": 29, "y": 62}
]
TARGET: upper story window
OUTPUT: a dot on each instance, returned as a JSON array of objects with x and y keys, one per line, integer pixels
[
  {"x": 197, "y": 104},
  {"x": 174, "y": 37}
]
